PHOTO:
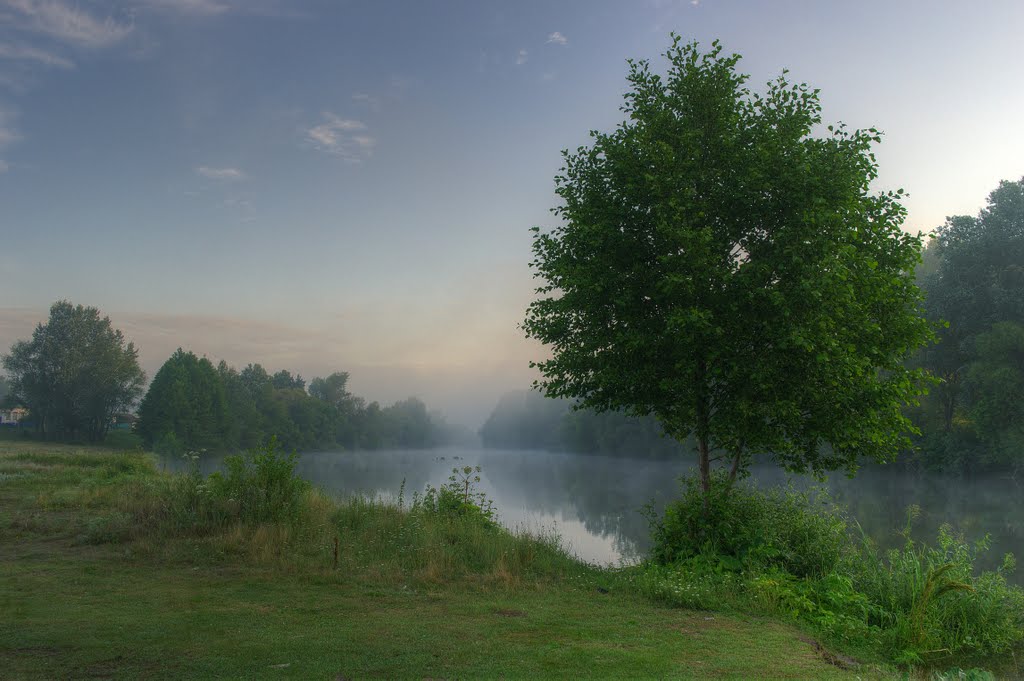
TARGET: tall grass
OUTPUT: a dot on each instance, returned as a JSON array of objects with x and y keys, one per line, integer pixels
[
  {"x": 795, "y": 555},
  {"x": 258, "y": 509}
]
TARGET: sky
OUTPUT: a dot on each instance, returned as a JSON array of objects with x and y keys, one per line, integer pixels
[{"x": 348, "y": 186}]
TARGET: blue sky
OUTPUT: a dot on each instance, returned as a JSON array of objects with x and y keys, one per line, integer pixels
[{"x": 332, "y": 185}]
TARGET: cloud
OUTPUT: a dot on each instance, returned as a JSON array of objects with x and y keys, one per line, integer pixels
[
  {"x": 557, "y": 39},
  {"x": 4, "y": 166},
  {"x": 338, "y": 136},
  {"x": 196, "y": 7},
  {"x": 220, "y": 173},
  {"x": 521, "y": 57},
  {"x": 65, "y": 23},
  {"x": 28, "y": 53}
]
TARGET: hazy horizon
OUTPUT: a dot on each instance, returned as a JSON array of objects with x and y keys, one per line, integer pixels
[{"x": 326, "y": 187}]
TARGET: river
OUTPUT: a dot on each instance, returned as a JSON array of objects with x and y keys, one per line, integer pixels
[{"x": 593, "y": 502}]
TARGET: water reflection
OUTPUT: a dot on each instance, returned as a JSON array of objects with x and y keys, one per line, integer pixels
[{"x": 594, "y": 501}]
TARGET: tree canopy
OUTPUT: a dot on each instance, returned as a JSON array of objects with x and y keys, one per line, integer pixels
[
  {"x": 974, "y": 282},
  {"x": 75, "y": 373},
  {"x": 721, "y": 267},
  {"x": 185, "y": 403}
]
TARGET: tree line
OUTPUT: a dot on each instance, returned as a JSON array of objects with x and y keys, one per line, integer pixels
[
  {"x": 194, "y": 405},
  {"x": 528, "y": 420},
  {"x": 77, "y": 374}
]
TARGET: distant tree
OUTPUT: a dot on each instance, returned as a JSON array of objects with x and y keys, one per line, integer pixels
[
  {"x": 723, "y": 269},
  {"x": 283, "y": 380},
  {"x": 333, "y": 392},
  {"x": 525, "y": 420},
  {"x": 186, "y": 406},
  {"x": 245, "y": 423},
  {"x": 409, "y": 425},
  {"x": 996, "y": 381},
  {"x": 976, "y": 280},
  {"x": 75, "y": 373},
  {"x": 5, "y": 389}
]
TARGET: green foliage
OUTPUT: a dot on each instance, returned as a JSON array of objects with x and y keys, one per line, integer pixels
[
  {"x": 931, "y": 601},
  {"x": 915, "y": 605},
  {"x": 185, "y": 406},
  {"x": 744, "y": 528},
  {"x": 75, "y": 374},
  {"x": 191, "y": 405},
  {"x": 975, "y": 296},
  {"x": 459, "y": 497},
  {"x": 259, "y": 487},
  {"x": 722, "y": 268}
]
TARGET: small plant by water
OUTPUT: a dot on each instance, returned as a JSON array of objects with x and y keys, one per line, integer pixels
[{"x": 457, "y": 497}]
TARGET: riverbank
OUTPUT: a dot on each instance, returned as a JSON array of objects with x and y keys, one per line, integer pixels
[{"x": 86, "y": 596}]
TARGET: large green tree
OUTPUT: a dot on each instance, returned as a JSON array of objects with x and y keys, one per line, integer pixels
[
  {"x": 75, "y": 373},
  {"x": 721, "y": 266}
]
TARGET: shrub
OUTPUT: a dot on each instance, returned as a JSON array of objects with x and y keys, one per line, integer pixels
[
  {"x": 458, "y": 497},
  {"x": 258, "y": 487},
  {"x": 791, "y": 554},
  {"x": 800, "y": 532}
]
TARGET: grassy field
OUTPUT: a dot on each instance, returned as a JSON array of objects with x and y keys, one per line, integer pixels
[{"x": 92, "y": 589}]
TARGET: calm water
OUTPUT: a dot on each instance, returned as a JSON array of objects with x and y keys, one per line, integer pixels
[{"x": 593, "y": 501}]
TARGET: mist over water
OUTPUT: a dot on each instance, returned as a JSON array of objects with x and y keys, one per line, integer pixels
[{"x": 594, "y": 502}]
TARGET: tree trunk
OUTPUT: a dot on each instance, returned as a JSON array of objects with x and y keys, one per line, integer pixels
[
  {"x": 705, "y": 471},
  {"x": 703, "y": 436},
  {"x": 735, "y": 468}
]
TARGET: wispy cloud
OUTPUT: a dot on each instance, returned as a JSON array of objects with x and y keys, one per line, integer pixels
[
  {"x": 66, "y": 23},
  {"x": 4, "y": 166},
  {"x": 220, "y": 173},
  {"x": 34, "y": 54},
  {"x": 557, "y": 38},
  {"x": 342, "y": 137},
  {"x": 196, "y": 7},
  {"x": 522, "y": 57}
]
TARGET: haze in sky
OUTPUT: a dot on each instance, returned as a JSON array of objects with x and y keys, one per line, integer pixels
[{"x": 329, "y": 185}]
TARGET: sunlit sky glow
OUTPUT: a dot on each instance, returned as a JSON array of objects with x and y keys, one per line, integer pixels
[{"x": 332, "y": 185}]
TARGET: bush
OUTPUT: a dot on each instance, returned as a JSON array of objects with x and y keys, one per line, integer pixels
[
  {"x": 457, "y": 498},
  {"x": 791, "y": 554},
  {"x": 802, "y": 533},
  {"x": 258, "y": 487}
]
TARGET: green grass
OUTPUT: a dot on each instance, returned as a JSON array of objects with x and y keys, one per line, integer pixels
[{"x": 99, "y": 581}]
